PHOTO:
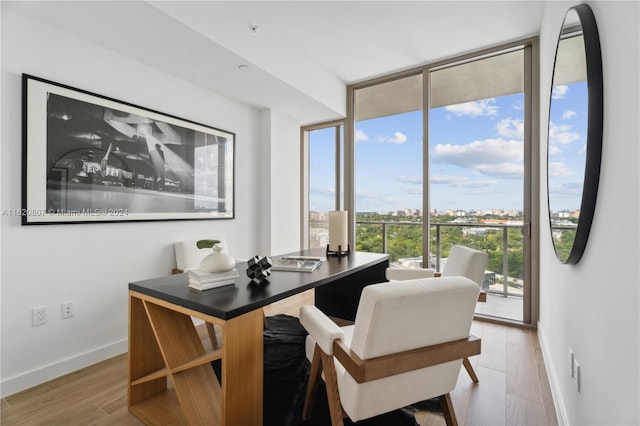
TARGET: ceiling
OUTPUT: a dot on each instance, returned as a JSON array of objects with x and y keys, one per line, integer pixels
[{"x": 299, "y": 55}]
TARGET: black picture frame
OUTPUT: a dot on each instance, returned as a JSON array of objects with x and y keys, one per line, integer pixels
[{"x": 88, "y": 158}]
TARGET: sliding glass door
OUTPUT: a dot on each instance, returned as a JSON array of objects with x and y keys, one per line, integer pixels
[
  {"x": 443, "y": 155},
  {"x": 476, "y": 170}
]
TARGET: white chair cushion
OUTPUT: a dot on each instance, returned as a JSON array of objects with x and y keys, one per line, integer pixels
[
  {"x": 320, "y": 328},
  {"x": 310, "y": 343},
  {"x": 401, "y": 274}
]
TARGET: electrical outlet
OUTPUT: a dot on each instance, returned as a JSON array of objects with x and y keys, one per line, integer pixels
[
  {"x": 66, "y": 310},
  {"x": 39, "y": 315}
]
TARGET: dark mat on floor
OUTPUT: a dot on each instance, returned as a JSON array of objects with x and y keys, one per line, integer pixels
[{"x": 286, "y": 371}]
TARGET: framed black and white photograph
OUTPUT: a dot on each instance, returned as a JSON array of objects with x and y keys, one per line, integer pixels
[{"x": 90, "y": 158}]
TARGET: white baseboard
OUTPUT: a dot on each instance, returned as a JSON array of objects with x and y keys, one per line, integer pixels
[
  {"x": 558, "y": 401},
  {"x": 41, "y": 375}
]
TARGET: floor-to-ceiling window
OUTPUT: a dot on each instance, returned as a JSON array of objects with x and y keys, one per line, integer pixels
[
  {"x": 442, "y": 155},
  {"x": 322, "y": 147},
  {"x": 476, "y": 169},
  {"x": 388, "y": 169}
]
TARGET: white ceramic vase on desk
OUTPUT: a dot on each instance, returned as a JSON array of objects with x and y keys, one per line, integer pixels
[{"x": 217, "y": 261}]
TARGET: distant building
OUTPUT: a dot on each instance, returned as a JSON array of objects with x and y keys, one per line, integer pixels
[
  {"x": 561, "y": 214},
  {"x": 318, "y": 237},
  {"x": 465, "y": 220}
]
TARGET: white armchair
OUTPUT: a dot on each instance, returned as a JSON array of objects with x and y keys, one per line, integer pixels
[
  {"x": 466, "y": 262},
  {"x": 406, "y": 345},
  {"x": 462, "y": 261}
]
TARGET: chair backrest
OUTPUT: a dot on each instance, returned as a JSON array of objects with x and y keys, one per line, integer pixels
[
  {"x": 401, "y": 274},
  {"x": 466, "y": 262},
  {"x": 188, "y": 255},
  {"x": 413, "y": 314}
]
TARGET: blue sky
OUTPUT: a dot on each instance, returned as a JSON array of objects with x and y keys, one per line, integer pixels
[
  {"x": 476, "y": 156},
  {"x": 567, "y": 145}
]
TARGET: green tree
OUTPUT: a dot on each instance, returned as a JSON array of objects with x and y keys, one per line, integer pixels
[{"x": 405, "y": 240}]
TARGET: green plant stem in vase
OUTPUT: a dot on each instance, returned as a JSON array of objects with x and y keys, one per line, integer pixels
[{"x": 207, "y": 243}]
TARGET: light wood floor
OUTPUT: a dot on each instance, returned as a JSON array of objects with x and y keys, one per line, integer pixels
[{"x": 513, "y": 388}]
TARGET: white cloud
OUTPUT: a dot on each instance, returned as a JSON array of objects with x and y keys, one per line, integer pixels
[
  {"x": 562, "y": 134},
  {"x": 511, "y": 128},
  {"x": 417, "y": 180},
  {"x": 567, "y": 189},
  {"x": 446, "y": 180},
  {"x": 414, "y": 190},
  {"x": 557, "y": 168},
  {"x": 492, "y": 157},
  {"x": 375, "y": 200},
  {"x": 460, "y": 181},
  {"x": 361, "y": 136},
  {"x": 327, "y": 192},
  {"x": 583, "y": 151},
  {"x": 474, "y": 109},
  {"x": 415, "y": 184},
  {"x": 554, "y": 150},
  {"x": 568, "y": 114},
  {"x": 398, "y": 138},
  {"x": 504, "y": 170},
  {"x": 559, "y": 92}
]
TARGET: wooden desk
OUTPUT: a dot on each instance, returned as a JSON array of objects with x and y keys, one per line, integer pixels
[{"x": 163, "y": 342}]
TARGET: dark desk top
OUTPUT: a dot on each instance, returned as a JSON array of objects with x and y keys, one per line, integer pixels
[{"x": 233, "y": 300}]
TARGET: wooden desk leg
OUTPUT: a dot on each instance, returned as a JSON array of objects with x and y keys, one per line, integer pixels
[
  {"x": 144, "y": 354},
  {"x": 211, "y": 329},
  {"x": 242, "y": 375}
]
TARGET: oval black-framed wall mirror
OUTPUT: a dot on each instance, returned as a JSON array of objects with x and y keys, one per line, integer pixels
[{"x": 574, "y": 144}]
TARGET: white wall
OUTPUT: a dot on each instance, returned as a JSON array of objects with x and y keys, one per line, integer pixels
[
  {"x": 285, "y": 184},
  {"x": 280, "y": 206},
  {"x": 92, "y": 264},
  {"x": 593, "y": 307}
]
